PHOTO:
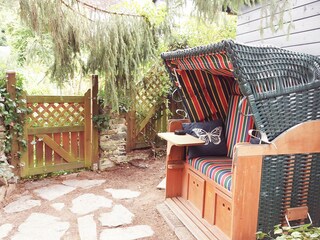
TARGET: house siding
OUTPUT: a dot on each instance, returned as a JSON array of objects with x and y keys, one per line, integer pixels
[{"x": 303, "y": 37}]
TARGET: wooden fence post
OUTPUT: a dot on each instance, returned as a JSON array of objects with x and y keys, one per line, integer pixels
[
  {"x": 11, "y": 89},
  {"x": 88, "y": 129},
  {"x": 131, "y": 130},
  {"x": 95, "y": 112}
]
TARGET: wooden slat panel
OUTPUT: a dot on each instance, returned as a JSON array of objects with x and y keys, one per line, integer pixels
[
  {"x": 82, "y": 145},
  {"x": 57, "y": 139},
  {"x": 42, "y": 130},
  {"x": 75, "y": 145},
  {"x": 57, "y": 148},
  {"x": 48, "y": 153},
  {"x": 30, "y": 151},
  {"x": 39, "y": 152},
  {"x": 55, "y": 99},
  {"x": 66, "y": 141}
]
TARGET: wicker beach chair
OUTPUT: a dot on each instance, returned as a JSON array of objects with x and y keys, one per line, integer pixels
[{"x": 272, "y": 90}]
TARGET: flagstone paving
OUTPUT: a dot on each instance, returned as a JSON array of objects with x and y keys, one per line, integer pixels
[
  {"x": 22, "y": 204},
  {"x": 122, "y": 193},
  {"x": 54, "y": 191},
  {"x": 58, "y": 206},
  {"x": 87, "y": 227},
  {"x": 89, "y": 202},
  {"x": 114, "y": 217},
  {"x": 117, "y": 204},
  {"x": 117, "y": 217},
  {"x": 5, "y": 230},
  {"x": 41, "y": 226}
]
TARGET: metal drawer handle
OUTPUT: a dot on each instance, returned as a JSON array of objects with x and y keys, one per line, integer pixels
[{"x": 288, "y": 222}]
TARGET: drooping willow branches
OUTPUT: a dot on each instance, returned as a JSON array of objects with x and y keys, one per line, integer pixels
[
  {"x": 114, "y": 44},
  {"x": 91, "y": 40},
  {"x": 272, "y": 11}
]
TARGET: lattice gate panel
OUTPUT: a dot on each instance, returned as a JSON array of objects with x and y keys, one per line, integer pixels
[
  {"x": 151, "y": 111},
  {"x": 56, "y": 114},
  {"x": 56, "y": 133}
]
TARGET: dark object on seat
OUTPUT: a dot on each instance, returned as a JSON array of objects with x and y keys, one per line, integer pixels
[{"x": 180, "y": 132}]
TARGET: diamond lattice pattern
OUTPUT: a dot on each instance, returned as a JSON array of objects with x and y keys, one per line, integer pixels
[{"x": 56, "y": 114}]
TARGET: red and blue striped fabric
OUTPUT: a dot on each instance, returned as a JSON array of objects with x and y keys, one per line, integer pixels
[
  {"x": 217, "y": 64},
  {"x": 219, "y": 170},
  {"x": 237, "y": 125},
  {"x": 205, "y": 95}
]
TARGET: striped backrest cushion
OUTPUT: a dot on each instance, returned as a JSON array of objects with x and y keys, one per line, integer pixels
[
  {"x": 205, "y": 96},
  {"x": 217, "y": 63},
  {"x": 237, "y": 125}
]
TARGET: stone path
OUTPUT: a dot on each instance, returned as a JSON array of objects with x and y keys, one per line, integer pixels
[{"x": 89, "y": 211}]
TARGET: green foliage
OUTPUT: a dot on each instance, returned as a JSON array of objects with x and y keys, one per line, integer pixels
[
  {"x": 91, "y": 40},
  {"x": 199, "y": 33},
  {"x": 305, "y": 232},
  {"x": 101, "y": 121},
  {"x": 13, "y": 112}
]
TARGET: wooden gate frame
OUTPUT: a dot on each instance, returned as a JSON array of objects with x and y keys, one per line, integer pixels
[{"x": 91, "y": 138}]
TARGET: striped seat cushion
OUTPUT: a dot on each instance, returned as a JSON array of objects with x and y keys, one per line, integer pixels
[{"x": 217, "y": 169}]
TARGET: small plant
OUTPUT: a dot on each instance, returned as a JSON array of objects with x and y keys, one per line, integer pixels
[
  {"x": 5, "y": 170},
  {"x": 304, "y": 232},
  {"x": 101, "y": 121}
]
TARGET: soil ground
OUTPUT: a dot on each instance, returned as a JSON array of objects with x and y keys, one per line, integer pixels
[{"x": 139, "y": 175}]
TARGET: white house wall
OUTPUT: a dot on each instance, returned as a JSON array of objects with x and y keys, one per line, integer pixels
[{"x": 303, "y": 37}]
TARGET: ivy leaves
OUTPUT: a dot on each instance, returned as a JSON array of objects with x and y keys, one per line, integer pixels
[
  {"x": 13, "y": 112},
  {"x": 305, "y": 231}
]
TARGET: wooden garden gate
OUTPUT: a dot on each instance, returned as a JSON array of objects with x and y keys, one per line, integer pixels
[{"x": 59, "y": 133}]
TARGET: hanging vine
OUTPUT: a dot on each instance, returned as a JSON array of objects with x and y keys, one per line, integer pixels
[{"x": 13, "y": 113}]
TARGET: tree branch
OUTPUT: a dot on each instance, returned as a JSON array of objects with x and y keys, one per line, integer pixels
[{"x": 108, "y": 12}]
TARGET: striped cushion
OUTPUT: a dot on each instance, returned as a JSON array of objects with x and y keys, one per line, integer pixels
[
  {"x": 217, "y": 63},
  {"x": 205, "y": 96},
  {"x": 219, "y": 170},
  {"x": 237, "y": 125}
]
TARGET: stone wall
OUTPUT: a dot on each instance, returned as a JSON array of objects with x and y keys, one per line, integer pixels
[
  {"x": 2, "y": 138},
  {"x": 113, "y": 143}
]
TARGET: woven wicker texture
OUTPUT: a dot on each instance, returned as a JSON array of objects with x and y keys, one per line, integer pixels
[
  {"x": 288, "y": 181},
  {"x": 282, "y": 86}
]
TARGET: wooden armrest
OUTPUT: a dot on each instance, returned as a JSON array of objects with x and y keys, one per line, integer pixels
[{"x": 302, "y": 138}]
